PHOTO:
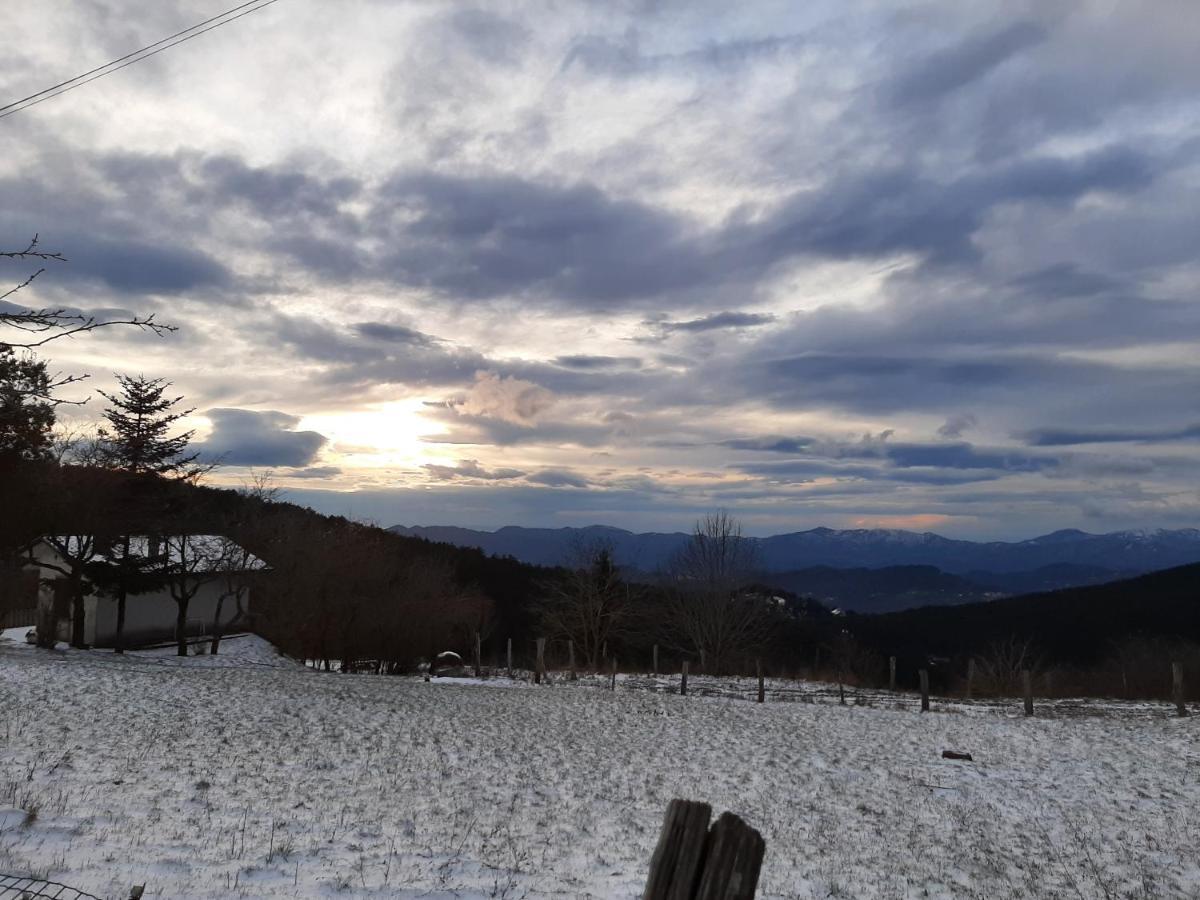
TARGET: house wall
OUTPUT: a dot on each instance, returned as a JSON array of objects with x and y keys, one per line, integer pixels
[{"x": 150, "y": 617}]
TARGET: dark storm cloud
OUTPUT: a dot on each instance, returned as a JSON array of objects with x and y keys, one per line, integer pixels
[
  {"x": 962, "y": 456},
  {"x": 772, "y": 444},
  {"x": 243, "y": 437},
  {"x": 394, "y": 334},
  {"x": 1053, "y": 437},
  {"x": 951, "y": 69},
  {"x": 718, "y": 321},
  {"x": 873, "y": 213},
  {"x": 492, "y": 236},
  {"x": 273, "y": 191},
  {"x": 557, "y": 478},
  {"x": 598, "y": 362},
  {"x": 469, "y": 469}
]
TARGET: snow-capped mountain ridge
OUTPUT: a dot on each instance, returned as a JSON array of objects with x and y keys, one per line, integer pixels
[{"x": 1124, "y": 551}]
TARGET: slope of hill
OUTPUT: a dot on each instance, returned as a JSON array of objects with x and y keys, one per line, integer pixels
[
  {"x": 1077, "y": 625},
  {"x": 880, "y": 590}
]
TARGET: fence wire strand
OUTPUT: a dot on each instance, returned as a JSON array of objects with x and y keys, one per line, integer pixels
[{"x": 17, "y": 887}]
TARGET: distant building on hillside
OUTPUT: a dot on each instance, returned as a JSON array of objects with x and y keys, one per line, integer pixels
[{"x": 212, "y": 566}]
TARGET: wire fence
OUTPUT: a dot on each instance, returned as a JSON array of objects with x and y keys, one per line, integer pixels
[{"x": 16, "y": 887}]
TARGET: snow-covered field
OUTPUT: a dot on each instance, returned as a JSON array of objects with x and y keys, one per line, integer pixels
[{"x": 250, "y": 776}]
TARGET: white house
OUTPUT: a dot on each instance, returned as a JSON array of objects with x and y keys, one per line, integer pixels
[{"x": 212, "y": 565}]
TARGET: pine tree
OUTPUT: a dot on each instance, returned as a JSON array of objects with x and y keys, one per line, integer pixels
[
  {"x": 26, "y": 412},
  {"x": 140, "y": 419},
  {"x": 138, "y": 440}
]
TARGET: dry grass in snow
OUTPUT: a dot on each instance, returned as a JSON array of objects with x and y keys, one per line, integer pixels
[{"x": 249, "y": 776}]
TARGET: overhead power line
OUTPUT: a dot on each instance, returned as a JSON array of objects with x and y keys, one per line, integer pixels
[{"x": 174, "y": 40}]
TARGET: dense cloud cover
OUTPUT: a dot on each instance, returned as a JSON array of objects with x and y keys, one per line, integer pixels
[{"x": 930, "y": 265}]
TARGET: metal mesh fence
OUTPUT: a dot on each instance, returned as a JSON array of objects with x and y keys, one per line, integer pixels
[{"x": 16, "y": 887}]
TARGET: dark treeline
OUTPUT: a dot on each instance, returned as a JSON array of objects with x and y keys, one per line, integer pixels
[
  {"x": 1112, "y": 639},
  {"x": 344, "y": 594}
]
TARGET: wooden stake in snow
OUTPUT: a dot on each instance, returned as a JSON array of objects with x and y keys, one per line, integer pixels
[
  {"x": 762, "y": 690},
  {"x": 891, "y": 673},
  {"x": 656, "y": 659},
  {"x": 970, "y": 677},
  {"x": 692, "y": 862},
  {"x": 612, "y": 681},
  {"x": 571, "y": 659},
  {"x": 683, "y": 680},
  {"x": 478, "y": 654},
  {"x": 510, "y": 657},
  {"x": 540, "y": 672},
  {"x": 924, "y": 676},
  {"x": 1177, "y": 688},
  {"x": 1027, "y": 690}
]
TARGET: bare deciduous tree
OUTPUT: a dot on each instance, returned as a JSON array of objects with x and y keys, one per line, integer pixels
[
  {"x": 707, "y": 611},
  {"x": 591, "y": 604},
  {"x": 189, "y": 562},
  {"x": 999, "y": 669},
  {"x": 39, "y": 326}
]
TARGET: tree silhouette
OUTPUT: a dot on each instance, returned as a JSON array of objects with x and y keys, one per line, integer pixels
[
  {"x": 137, "y": 438},
  {"x": 26, "y": 412}
]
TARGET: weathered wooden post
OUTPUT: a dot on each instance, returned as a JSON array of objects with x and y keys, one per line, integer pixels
[
  {"x": 1177, "y": 689},
  {"x": 510, "y": 657},
  {"x": 478, "y": 652},
  {"x": 970, "y": 677},
  {"x": 604, "y": 650},
  {"x": 762, "y": 688},
  {"x": 694, "y": 862},
  {"x": 571, "y": 659},
  {"x": 683, "y": 680},
  {"x": 1027, "y": 690},
  {"x": 656, "y": 659},
  {"x": 612, "y": 679},
  {"x": 924, "y": 676},
  {"x": 540, "y": 672},
  {"x": 891, "y": 673}
]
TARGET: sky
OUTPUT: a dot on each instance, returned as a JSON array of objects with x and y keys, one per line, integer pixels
[{"x": 926, "y": 265}]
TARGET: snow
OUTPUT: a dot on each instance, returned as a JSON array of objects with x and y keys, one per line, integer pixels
[{"x": 248, "y": 775}]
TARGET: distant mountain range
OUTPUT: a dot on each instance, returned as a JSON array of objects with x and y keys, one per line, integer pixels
[{"x": 873, "y": 570}]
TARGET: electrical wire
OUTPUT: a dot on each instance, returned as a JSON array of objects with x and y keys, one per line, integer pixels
[{"x": 136, "y": 56}]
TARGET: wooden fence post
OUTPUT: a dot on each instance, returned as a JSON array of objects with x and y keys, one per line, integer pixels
[
  {"x": 612, "y": 680},
  {"x": 924, "y": 676},
  {"x": 510, "y": 657},
  {"x": 540, "y": 672},
  {"x": 656, "y": 659},
  {"x": 1177, "y": 689},
  {"x": 571, "y": 659},
  {"x": 683, "y": 680},
  {"x": 891, "y": 673},
  {"x": 478, "y": 651},
  {"x": 1027, "y": 690},
  {"x": 675, "y": 865},
  {"x": 970, "y": 677},
  {"x": 762, "y": 689},
  {"x": 692, "y": 862}
]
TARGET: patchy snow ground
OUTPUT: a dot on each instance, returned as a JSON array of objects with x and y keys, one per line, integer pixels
[{"x": 250, "y": 776}]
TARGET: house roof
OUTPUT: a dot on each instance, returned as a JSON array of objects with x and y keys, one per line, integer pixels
[{"x": 204, "y": 552}]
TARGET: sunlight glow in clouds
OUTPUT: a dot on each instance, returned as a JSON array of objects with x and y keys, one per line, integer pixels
[{"x": 931, "y": 265}]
